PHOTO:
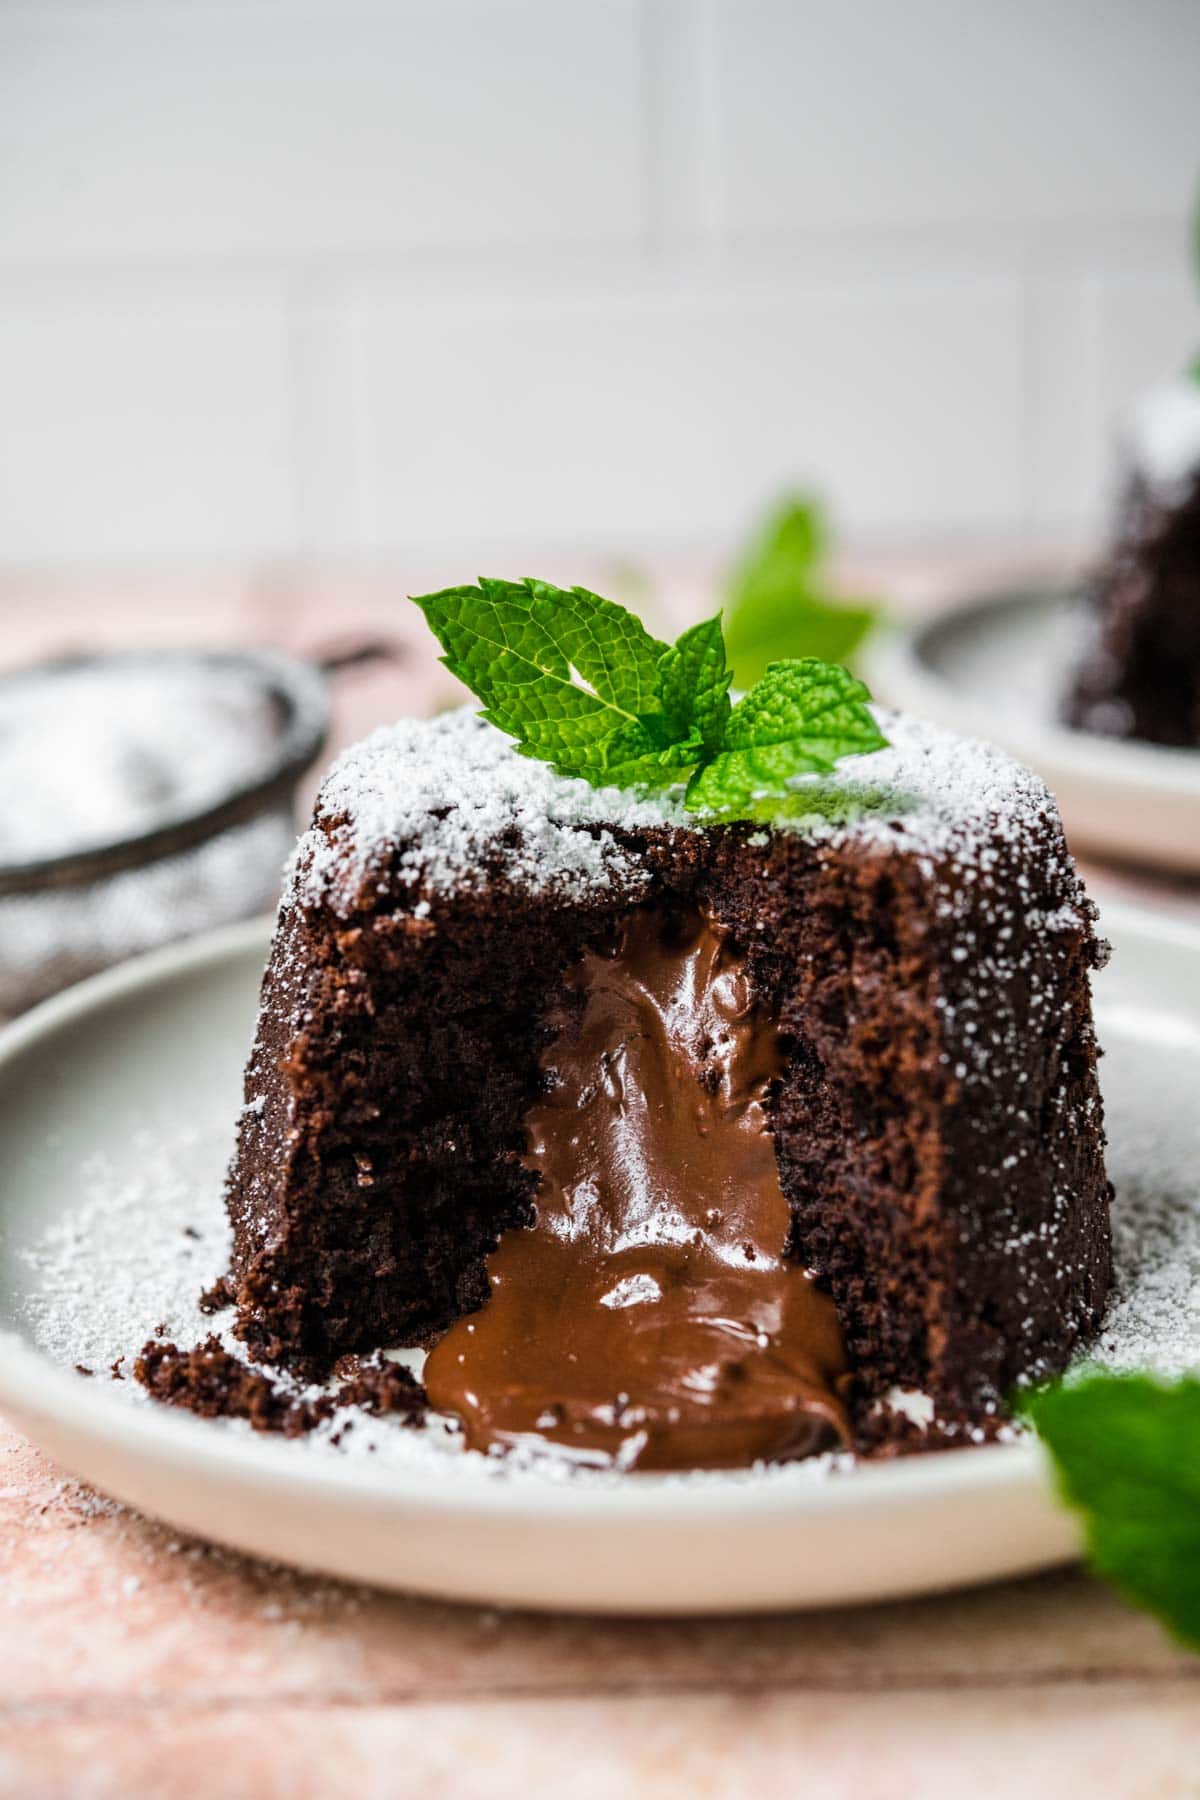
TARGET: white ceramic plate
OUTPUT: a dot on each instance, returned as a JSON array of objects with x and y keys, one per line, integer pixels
[
  {"x": 996, "y": 668},
  {"x": 157, "y": 1047}
]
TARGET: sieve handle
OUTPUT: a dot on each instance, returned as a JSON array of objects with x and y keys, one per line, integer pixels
[{"x": 357, "y": 654}]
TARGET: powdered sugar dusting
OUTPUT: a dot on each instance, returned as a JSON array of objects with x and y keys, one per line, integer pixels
[
  {"x": 1153, "y": 1318},
  {"x": 93, "y": 753},
  {"x": 1164, "y": 438},
  {"x": 451, "y": 799},
  {"x": 460, "y": 803}
]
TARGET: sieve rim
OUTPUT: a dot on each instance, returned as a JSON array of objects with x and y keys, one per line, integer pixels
[{"x": 301, "y": 689}]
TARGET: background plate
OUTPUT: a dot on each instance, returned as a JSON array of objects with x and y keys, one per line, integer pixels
[
  {"x": 158, "y": 1045},
  {"x": 996, "y": 668}
]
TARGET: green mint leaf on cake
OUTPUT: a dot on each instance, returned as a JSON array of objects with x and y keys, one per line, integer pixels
[
  {"x": 561, "y": 670},
  {"x": 780, "y": 605},
  {"x": 800, "y": 719},
  {"x": 580, "y": 684},
  {"x": 1126, "y": 1449},
  {"x": 693, "y": 685}
]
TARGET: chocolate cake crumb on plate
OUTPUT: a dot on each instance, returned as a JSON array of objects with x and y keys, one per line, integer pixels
[{"x": 209, "y": 1381}]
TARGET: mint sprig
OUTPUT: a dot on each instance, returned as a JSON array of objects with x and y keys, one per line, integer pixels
[
  {"x": 1126, "y": 1449},
  {"x": 580, "y": 684},
  {"x": 780, "y": 604},
  {"x": 800, "y": 719},
  {"x": 693, "y": 681}
]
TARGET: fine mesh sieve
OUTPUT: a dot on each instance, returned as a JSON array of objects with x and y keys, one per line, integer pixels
[{"x": 197, "y": 754}]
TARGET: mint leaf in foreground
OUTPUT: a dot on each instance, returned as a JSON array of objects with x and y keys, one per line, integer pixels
[
  {"x": 561, "y": 670},
  {"x": 801, "y": 719},
  {"x": 779, "y": 603},
  {"x": 1126, "y": 1450}
]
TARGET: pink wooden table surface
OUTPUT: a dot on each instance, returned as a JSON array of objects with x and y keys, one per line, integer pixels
[{"x": 133, "y": 1662}]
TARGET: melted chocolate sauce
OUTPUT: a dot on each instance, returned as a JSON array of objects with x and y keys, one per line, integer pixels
[{"x": 649, "y": 1318}]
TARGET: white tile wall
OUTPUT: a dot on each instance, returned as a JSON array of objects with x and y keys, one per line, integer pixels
[
  {"x": 1098, "y": 338},
  {"x": 316, "y": 127},
  {"x": 873, "y": 113},
  {"x": 134, "y": 432},
  {"x": 684, "y": 151},
  {"x": 293, "y": 277},
  {"x": 642, "y": 414}
]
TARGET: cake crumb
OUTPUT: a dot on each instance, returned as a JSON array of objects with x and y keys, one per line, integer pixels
[{"x": 213, "y": 1383}]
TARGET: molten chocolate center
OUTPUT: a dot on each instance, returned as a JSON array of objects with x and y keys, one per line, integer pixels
[{"x": 649, "y": 1318}]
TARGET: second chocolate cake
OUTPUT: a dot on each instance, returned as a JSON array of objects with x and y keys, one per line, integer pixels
[
  {"x": 1140, "y": 674},
  {"x": 765, "y": 1121}
]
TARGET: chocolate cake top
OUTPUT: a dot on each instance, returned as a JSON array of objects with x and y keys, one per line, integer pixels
[
  {"x": 447, "y": 804},
  {"x": 1163, "y": 439}
]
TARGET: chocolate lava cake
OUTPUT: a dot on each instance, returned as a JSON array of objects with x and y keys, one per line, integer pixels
[
  {"x": 1140, "y": 676},
  {"x": 767, "y": 1122}
]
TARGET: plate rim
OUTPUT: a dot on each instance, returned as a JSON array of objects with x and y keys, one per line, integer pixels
[
  {"x": 34, "y": 1387},
  {"x": 896, "y": 662}
]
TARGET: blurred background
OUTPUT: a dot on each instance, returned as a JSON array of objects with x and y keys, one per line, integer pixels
[
  {"x": 293, "y": 280},
  {"x": 307, "y": 304}
]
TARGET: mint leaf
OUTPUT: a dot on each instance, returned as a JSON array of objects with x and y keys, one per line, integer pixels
[
  {"x": 561, "y": 670},
  {"x": 693, "y": 684},
  {"x": 632, "y": 759},
  {"x": 580, "y": 684},
  {"x": 779, "y": 606},
  {"x": 1126, "y": 1449},
  {"x": 801, "y": 719}
]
